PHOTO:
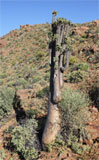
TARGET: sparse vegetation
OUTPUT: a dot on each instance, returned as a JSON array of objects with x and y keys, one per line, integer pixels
[{"x": 24, "y": 65}]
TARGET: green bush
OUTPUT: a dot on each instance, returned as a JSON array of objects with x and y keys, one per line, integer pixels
[
  {"x": 93, "y": 58},
  {"x": 79, "y": 148},
  {"x": 6, "y": 101},
  {"x": 18, "y": 82},
  {"x": 31, "y": 112},
  {"x": 25, "y": 140},
  {"x": 47, "y": 76},
  {"x": 81, "y": 40},
  {"x": 43, "y": 46},
  {"x": 21, "y": 82},
  {"x": 1, "y": 81},
  {"x": 82, "y": 66},
  {"x": 36, "y": 78},
  {"x": 74, "y": 115},
  {"x": 84, "y": 36},
  {"x": 40, "y": 55},
  {"x": 2, "y": 154},
  {"x": 11, "y": 52},
  {"x": 43, "y": 93},
  {"x": 73, "y": 60},
  {"x": 3, "y": 75},
  {"x": 76, "y": 76},
  {"x": 78, "y": 72}
]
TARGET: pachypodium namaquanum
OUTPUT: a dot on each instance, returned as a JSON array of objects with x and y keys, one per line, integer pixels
[{"x": 59, "y": 51}]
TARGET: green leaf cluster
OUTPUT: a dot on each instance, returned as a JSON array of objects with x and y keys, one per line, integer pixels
[
  {"x": 55, "y": 12},
  {"x": 63, "y": 21}
]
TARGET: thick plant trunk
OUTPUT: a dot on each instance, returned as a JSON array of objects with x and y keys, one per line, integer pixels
[
  {"x": 52, "y": 126},
  {"x": 67, "y": 59},
  {"x": 57, "y": 93}
]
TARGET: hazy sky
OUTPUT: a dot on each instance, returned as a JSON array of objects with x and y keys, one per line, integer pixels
[{"x": 14, "y": 13}]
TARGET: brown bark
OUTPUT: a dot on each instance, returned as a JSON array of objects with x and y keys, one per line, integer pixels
[
  {"x": 57, "y": 93},
  {"x": 66, "y": 61},
  {"x": 52, "y": 126},
  {"x": 61, "y": 33},
  {"x": 67, "y": 30}
]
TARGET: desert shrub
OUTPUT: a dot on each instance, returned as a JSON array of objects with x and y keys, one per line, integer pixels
[
  {"x": 80, "y": 66},
  {"x": 59, "y": 144},
  {"x": 76, "y": 76},
  {"x": 2, "y": 154},
  {"x": 3, "y": 75},
  {"x": 11, "y": 52},
  {"x": 73, "y": 60},
  {"x": 79, "y": 148},
  {"x": 81, "y": 40},
  {"x": 31, "y": 112},
  {"x": 1, "y": 81},
  {"x": 11, "y": 83},
  {"x": 40, "y": 55},
  {"x": 47, "y": 76},
  {"x": 93, "y": 58},
  {"x": 83, "y": 66},
  {"x": 24, "y": 139},
  {"x": 74, "y": 115},
  {"x": 43, "y": 93},
  {"x": 20, "y": 82},
  {"x": 6, "y": 101},
  {"x": 33, "y": 76},
  {"x": 84, "y": 36},
  {"x": 36, "y": 78},
  {"x": 42, "y": 82},
  {"x": 43, "y": 46}
]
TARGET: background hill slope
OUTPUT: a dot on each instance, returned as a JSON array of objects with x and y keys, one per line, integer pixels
[{"x": 24, "y": 68}]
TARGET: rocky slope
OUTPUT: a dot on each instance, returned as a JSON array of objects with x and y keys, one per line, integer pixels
[{"x": 24, "y": 68}]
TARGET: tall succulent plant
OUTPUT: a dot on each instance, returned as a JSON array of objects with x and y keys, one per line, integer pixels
[{"x": 59, "y": 61}]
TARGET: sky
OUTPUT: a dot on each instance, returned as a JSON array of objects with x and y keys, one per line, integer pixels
[{"x": 14, "y": 13}]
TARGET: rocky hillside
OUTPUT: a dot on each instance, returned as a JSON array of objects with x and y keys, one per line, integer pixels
[{"x": 24, "y": 78}]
